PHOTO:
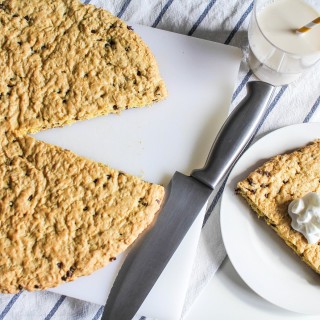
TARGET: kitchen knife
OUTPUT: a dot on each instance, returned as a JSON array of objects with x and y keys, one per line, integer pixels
[{"x": 184, "y": 199}]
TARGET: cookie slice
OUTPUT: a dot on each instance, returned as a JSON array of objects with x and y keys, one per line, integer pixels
[
  {"x": 270, "y": 189},
  {"x": 64, "y": 216},
  {"x": 63, "y": 61}
]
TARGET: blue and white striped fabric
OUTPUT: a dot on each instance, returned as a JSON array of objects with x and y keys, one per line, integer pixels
[{"x": 216, "y": 20}]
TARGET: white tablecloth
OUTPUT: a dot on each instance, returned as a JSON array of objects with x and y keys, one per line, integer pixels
[{"x": 216, "y": 20}]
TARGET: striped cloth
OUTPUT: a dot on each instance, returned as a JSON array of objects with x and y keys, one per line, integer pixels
[{"x": 217, "y": 20}]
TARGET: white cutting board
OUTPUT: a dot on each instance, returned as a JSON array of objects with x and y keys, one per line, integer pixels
[{"x": 154, "y": 142}]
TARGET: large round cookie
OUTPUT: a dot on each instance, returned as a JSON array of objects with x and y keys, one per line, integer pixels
[{"x": 63, "y": 216}]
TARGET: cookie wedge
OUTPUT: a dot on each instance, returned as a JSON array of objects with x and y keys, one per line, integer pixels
[
  {"x": 62, "y": 61},
  {"x": 64, "y": 216},
  {"x": 270, "y": 189}
]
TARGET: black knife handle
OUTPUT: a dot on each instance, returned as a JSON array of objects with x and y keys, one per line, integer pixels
[{"x": 235, "y": 134}]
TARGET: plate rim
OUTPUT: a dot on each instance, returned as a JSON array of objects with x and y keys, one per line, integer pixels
[{"x": 226, "y": 193}]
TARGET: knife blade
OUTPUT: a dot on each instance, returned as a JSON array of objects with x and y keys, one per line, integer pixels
[{"x": 184, "y": 199}]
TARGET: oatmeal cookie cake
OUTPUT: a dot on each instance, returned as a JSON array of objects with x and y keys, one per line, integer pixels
[
  {"x": 270, "y": 189},
  {"x": 63, "y": 216},
  {"x": 63, "y": 61}
]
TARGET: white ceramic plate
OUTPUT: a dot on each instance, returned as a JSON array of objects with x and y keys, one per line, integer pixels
[{"x": 260, "y": 257}]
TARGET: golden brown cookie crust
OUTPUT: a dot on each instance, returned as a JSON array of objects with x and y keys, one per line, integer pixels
[
  {"x": 64, "y": 216},
  {"x": 63, "y": 61},
  {"x": 270, "y": 188}
]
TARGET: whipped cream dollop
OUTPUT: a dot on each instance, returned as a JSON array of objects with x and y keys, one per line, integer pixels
[{"x": 305, "y": 215}]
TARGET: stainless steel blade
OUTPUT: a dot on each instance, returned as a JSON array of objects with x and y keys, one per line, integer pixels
[{"x": 185, "y": 197}]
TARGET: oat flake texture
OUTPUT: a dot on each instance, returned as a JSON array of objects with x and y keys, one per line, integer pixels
[{"x": 63, "y": 216}]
